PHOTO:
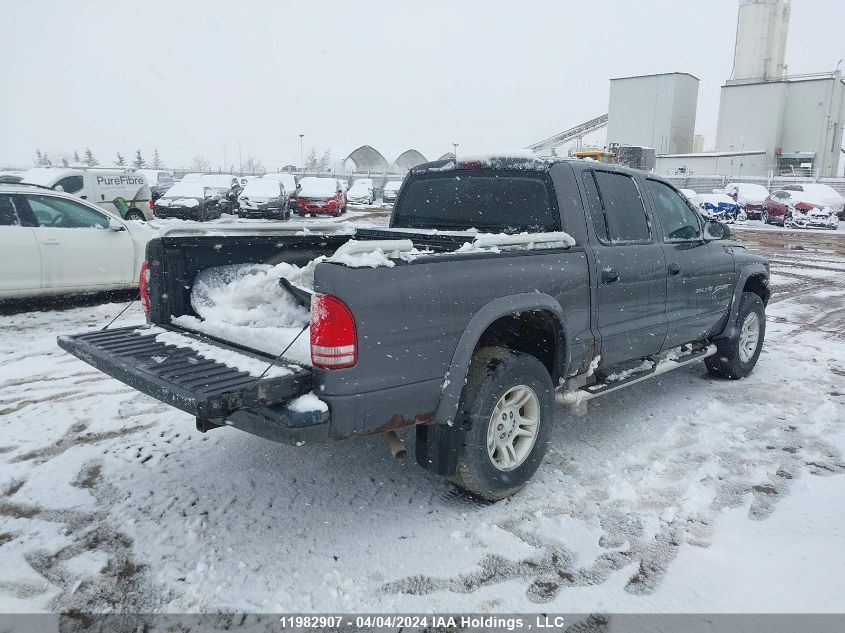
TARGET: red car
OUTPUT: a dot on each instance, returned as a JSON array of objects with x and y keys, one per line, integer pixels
[
  {"x": 320, "y": 196},
  {"x": 788, "y": 209}
]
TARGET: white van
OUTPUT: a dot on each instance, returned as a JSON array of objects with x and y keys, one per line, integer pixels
[{"x": 117, "y": 191}]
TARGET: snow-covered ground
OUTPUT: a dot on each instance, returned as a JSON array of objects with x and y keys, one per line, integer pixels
[{"x": 684, "y": 493}]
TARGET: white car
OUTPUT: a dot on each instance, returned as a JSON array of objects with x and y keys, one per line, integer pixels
[
  {"x": 118, "y": 191},
  {"x": 391, "y": 190},
  {"x": 54, "y": 244},
  {"x": 361, "y": 192},
  {"x": 689, "y": 194}
]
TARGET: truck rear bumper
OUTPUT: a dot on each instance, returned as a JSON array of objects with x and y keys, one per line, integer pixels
[{"x": 217, "y": 394}]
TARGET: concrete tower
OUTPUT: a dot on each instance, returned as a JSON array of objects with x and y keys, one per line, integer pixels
[{"x": 761, "y": 40}]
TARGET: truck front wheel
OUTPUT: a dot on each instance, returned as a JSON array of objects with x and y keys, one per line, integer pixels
[
  {"x": 508, "y": 409},
  {"x": 736, "y": 356}
]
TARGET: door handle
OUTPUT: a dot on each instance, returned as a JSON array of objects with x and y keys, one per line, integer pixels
[
  {"x": 50, "y": 241},
  {"x": 608, "y": 276},
  {"x": 674, "y": 269}
]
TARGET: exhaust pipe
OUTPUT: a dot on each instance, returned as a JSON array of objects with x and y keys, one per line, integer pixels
[{"x": 395, "y": 445}]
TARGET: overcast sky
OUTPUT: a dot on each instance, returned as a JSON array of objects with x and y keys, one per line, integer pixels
[{"x": 197, "y": 77}]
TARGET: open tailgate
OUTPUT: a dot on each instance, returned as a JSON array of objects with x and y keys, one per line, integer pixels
[{"x": 182, "y": 377}]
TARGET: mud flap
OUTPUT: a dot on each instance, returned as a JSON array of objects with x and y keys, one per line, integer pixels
[{"x": 437, "y": 447}]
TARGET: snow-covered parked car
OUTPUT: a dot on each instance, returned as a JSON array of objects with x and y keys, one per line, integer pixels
[
  {"x": 53, "y": 243},
  {"x": 821, "y": 194},
  {"x": 361, "y": 192},
  {"x": 717, "y": 206},
  {"x": 229, "y": 188},
  {"x": 290, "y": 185},
  {"x": 689, "y": 194},
  {"x": 799, "y": 209},
  {"x": 118, "y": 191},
  {"x": 319, "y": 196},
  {"x": 189, "y": 201},
  {"x": 158, "y": 180},
  {"x": 750, "y": 197},
  {"x": 263, "y": 198},
  {"x": 192, "y": 177},
  {"x": 391, "y": 190}
]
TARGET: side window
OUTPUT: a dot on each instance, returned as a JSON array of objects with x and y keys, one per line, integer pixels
[
  {"x": 594, "y": 201},
  {"x": 70, "y": 184},
  {"x": 624, "y": 211},
  {"x": 67, "y": 214},
  {"x": 678, "y": 220},
  {"x": 8, "y": 217}
]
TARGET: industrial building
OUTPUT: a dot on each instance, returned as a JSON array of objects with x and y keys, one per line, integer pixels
[
  {"x": 770, "y": 123},
  {"x": 664, "y": 118}
]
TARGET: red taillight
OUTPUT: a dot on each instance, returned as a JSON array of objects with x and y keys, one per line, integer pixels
[
  {"x": 152, "y": 205},
  {"x": 334, "y": 341},
  {"x": 144, "y": 287}
]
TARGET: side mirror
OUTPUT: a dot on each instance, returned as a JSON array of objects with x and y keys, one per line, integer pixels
[
  {"x": 715, "y": 230},
  {"x": 114, "y": 225}
]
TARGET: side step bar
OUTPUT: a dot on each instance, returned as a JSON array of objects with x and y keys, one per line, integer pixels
[{"x": 577, "y": 398}]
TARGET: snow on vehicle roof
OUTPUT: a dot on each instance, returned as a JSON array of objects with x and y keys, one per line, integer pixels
[
  {"x": 262, "y": 188},
  {"x": 186, "y": 190},
  {"x": 192, "y": 177},
  {"x": 288, "y": 180},
  {"x": 217, "y": 180},
  {"x": 46, "y": 176},
  {"x": 505, "y": 160},
  {"x": 393, "y": 185},
  {"x": 312, "y": 186},
  {"x": 361, "y": 184},
  {"x": 820, "y": 189},
  {"x": 749, "y": 187},
  {"x": 713, "y": 198}
]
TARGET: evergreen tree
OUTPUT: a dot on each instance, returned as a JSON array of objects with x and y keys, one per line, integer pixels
[
  {"x": 76, "y": 158},
  {"x": 157, "y": 162},
  {"x": 139, "y": 161},
  {"x": 89, "y": 158},
  {"x": 121, "y": 161}
]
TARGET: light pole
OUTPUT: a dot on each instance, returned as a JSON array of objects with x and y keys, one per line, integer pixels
[
  {"x": 301, "y": 166},
  {"x": 455, "y": 152}
]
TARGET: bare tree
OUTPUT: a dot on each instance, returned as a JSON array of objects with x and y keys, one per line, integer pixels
[
  {"x": 89, "y": 158},
  {"x": 253, "y": 165},
  {"x": 157, "y": 162},
  {"x": 139, "y": 161},
  {"x": 312, "y": 162},
  {"x": 200, "y": 163}
]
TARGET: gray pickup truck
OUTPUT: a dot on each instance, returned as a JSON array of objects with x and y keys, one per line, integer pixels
[{"x": 531, "y": 281}]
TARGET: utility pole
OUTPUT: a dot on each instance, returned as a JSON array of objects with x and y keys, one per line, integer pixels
[
  {"x": 455, "y": 147},
  {"x": 301, "y": 161}
]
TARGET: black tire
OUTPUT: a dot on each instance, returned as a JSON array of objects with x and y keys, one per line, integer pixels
[
  {"x": 493, "y": 372},
  {"x": 728, "y": 361},
  {"x": 135, "y": 215},
  {"x": 764, "y": 216}
]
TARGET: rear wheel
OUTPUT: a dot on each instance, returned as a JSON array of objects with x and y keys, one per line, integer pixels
[
  {"x": 507, "y": 408},
  {"x": 736, "y": 357},
  {"x": 765, "y": 216},
  {"x": 135, "y": 215}
]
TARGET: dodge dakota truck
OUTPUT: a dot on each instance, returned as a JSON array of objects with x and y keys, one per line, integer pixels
[{"x": 505, "y": 284}]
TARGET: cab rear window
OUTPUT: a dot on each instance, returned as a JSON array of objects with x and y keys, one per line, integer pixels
[{"x": 500, "y": 202}]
